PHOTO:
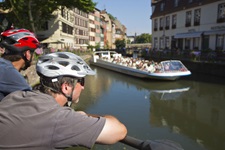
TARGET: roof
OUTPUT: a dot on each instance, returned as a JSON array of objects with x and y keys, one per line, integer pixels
[{"x": 182, "y": 4}]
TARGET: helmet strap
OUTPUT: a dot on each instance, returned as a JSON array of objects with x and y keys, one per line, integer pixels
[
  {"x": 27, "y": 62},
  {"x": 69, "y": 98}
]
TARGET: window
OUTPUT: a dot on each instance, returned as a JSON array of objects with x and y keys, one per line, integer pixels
[
  {"x": 221, "y": 13},
  {"x": 174, "y": 21},
  {"x": 162, "y": 42},
  {"x": 195, "y": 43},
  {"x": 162, "y": 6},
  {"x": 167, "y": 42},
  {"x": 161, "y": 24},
  {"x": 155, "y": 24},
  {"x": 93, "y": 30},
  {"x": 167, "y": 22},
  {"x": 219, "y": 42},
  {"x": 91, "y": 38},
  {"x": 187, "y": 43},
  {"x": 197, "y": 17},
  {"x": 67, "y": 29},
  {"x": 64, "y": 27},
  {"x": 176, "y": 3},
  {"x": 63, "y": 12},
  {"x": 156, "y": 42},
  {"x": 81, "y": 32},
  {"x": 188, "y": 19}
]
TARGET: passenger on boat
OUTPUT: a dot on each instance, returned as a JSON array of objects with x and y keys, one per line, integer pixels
[
  {"x": 167, "y": 67},
  {"x": 38, "y": 120},
  {"x": 158, "y": 67},
  {"x": 151, "y": 67}
]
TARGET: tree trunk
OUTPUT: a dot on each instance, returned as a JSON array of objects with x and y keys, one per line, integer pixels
[{"x": 30, "y": 16}]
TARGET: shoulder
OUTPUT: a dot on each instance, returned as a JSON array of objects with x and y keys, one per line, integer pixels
[
  {"x": 31, "y": 96},
  {"x": 5, "y": 63}
]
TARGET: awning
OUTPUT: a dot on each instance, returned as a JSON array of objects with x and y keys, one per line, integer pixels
[
  {"x": 52, "y": 41},
  {"x": 214, "y": 32},
  {"x": 83, "y": 45},
  {"x": 188, "y": 35}
]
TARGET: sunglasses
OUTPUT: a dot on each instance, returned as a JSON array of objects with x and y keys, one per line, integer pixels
[{"x": 81, "y": 81}]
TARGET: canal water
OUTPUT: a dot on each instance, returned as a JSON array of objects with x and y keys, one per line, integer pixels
[{"x": 189, "y": 111}]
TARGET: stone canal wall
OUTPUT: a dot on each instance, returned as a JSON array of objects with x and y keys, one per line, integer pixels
[{"x": 215, "y": 69}]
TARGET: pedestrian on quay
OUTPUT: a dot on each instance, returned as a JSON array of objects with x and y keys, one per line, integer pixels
[
  {"x": 37, "y": 120},
  {"x": 18, "y": 46}
]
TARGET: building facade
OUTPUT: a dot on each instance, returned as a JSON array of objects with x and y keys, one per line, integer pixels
[
  {"x": 110, "y": 31},
  {"x": 188, "y": 24},
  {"x": 73, "y": 29},
  {"x": 94, "y": 28}
]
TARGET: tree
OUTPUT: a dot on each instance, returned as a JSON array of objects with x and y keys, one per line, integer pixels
[
  {"x": 120, "y": 43},
  {"x": 32, "y": 14},
  {"x": 143, "y": 38},
  {"x": 111, "y": 17}
]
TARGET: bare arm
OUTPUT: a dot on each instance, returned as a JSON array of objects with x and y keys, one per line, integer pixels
[{"x": 112, "y": 132}]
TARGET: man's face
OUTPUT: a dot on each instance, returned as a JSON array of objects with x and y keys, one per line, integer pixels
[{"x": 76, "y": 92}]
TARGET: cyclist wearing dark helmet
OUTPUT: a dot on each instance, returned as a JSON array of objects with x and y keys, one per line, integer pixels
[
  {"x": 19, "y": 46},
  {"x": 38, "y": 120}
]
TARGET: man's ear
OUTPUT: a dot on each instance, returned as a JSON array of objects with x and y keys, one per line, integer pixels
[
  {"x": 27, "y": 54},
  {"x": 65, "y": 88}
]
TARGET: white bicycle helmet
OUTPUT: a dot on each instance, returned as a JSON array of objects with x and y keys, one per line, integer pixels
[{"x": 63, "y": 64}]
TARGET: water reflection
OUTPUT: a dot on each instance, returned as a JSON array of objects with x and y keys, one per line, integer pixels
[
  {"x": 188, "y": 111},
  {"x": 170, "y": 94}
]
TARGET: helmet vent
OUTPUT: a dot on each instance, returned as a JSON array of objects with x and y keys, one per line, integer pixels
[
  {"x": 53, "y": 67},
  {"x": 75, "y": 68},
  {"x": 63, "y": 63},
  {"x": 43, "y": 60},
  {"x": 63, "y": 56}
]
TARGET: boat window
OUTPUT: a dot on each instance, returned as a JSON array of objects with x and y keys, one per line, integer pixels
[{"x": 173, "y": 66}]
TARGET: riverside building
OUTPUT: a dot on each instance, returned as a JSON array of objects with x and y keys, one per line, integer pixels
[
  {"x": 76, "y": 30},
  {"x": 188, "y": 24}
]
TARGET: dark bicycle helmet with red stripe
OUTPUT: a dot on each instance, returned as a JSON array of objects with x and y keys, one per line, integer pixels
[{"x": 17, "y": 41}]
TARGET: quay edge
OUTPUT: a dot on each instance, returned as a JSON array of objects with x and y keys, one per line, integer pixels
[{"x": 215, "y": 69}]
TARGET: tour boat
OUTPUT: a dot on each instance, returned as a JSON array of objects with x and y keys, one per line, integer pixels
[{"x": 168, "y": 70}]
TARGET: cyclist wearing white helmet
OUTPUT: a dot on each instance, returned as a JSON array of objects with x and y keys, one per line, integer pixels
[
  {"x": 18, "y": 46},
  {"x": 38, "y": 120}
]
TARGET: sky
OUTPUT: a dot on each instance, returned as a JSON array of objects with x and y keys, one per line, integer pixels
[{"x": 133, "y": 14}]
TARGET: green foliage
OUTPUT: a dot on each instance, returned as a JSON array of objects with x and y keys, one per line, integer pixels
[
  {"x": 32, "y": 14},
  {"x": 128, "y": 41},
  {"x": 111, "y": 16},
  {"x": 144, "y": 38},
  {"x": 120, "y": 43}
]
